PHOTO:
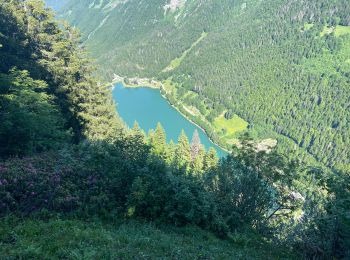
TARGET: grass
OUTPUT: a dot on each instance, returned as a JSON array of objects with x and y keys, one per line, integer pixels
[
  {"x": 326, "y": 30},
  {"x": 229, "y": 128},
  {"x": 169, "y": 87},
  {"x": 75, "y": 239},
  {"x": 307, "y": 26},
  {"x": 342, "y": 30},
  {"x": 177, "y": 61},
  {"x": 339, "y": 30}
]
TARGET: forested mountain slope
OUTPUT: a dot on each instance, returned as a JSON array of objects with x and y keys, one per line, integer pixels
[
  {"x": 47, "y": 90},
  {"x": 283, "y": 66},
  {"x": 73, "y": 179}
]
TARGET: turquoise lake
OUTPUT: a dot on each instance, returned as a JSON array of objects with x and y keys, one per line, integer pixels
[{"x": 148, "y": 107}]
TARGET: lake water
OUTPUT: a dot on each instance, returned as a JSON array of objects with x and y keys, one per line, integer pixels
[{"x": 148, "y": 107}]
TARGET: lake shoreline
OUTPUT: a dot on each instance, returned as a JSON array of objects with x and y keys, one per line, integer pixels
[{"x": 147, "y": 83}]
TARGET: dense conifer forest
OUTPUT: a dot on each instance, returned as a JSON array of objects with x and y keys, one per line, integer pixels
[
  {"x": 75, "y": 182},
  {"x": 269, "y": 62}
]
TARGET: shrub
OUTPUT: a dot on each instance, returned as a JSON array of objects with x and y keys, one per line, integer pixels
[
  {"x": 177, "y": 199},
  {"x": 241, "y": 196},
  {"x": 86, "y": 179}
]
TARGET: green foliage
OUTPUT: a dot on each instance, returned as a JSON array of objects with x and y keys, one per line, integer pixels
[
  {"x": 210, "y": 160},
  {"x": 241, "y": 196},
  {"x": 182, "y": 153},
  {"x": 47, "y": 88},
  {"x": 179, "y": 200},
  {"x": 262, "y": 60},
  {"x": 125, "y": 178},
  {"x": 89, "y": 179},
  {"x": 247, "y": 191},
  {"x": 30, "y": 121},
  {"x": 158, "y": 142},
  {"x": 77, "y": 239},
  {"x": 325, "y": 229},
  {"x": 177, "y": 62},
  {"x": 33, "y": 41}
]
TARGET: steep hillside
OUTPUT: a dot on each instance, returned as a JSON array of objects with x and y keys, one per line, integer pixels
[
  {"x": 72, "y": 239},
  {"x": 283, "y": 66},
  {"x": 74, "y": 180}
]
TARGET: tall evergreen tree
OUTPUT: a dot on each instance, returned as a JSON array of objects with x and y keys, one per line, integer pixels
[
  {"x": 158, "y": 142},
  {"x": 30, "y": 121},
  {"x": 171, "y": 149},
  {"x": 137, "y": 131},
  {"x": 197, "y": 164},
  {"x": 32, "y": 40},
  {"x": 210, "y": 159},
  {"x": 183, "y": 152}
]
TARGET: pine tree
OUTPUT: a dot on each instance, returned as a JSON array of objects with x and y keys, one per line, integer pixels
[
  {"x": 52, "y": 52},
  {"x": 137, "y": 131},
  {"x": 170, "y": 150},
  {"x": 30, "y": 121},
  {"x": 210, "y": 159},
  {"x": 197, "y": 165},
  {"x": 135, "y": 145},
  {"x": 183, "y": 153},
  {"x": 158, "y": 142}
]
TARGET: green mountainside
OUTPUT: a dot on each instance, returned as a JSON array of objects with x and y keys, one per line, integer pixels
[
  {"x": 282, "y": 66},
  {"x": 76, "y": 183}
]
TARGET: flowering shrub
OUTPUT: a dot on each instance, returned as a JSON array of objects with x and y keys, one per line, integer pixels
[
  {"x": 46, "y": 182},
  {"x": 88, "y": 179},
  {"x": 29, "y": 184}
]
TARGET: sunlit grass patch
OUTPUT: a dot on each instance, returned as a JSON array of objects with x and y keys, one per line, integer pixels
[
  {"x": 307, "y": 26},
  {"x": 341, "y": 30},
  {"x": 326, "y": 30},
  {"x": 229, "y": 128},
  {"x": 177, "y": 61}
]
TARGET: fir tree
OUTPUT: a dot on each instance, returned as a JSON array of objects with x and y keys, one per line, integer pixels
[
  {"x": 32, "y": 40},
  {"x": 183, "y": 152},
  {"x": 158, "y": 142},
  {"x": 210, "y": 159},
  {"x": 197, "y": 165},
  {"x": 137, "y": 131},
  {"x": 171, "y": 149},
  {"x": 30, "y": 121}
]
